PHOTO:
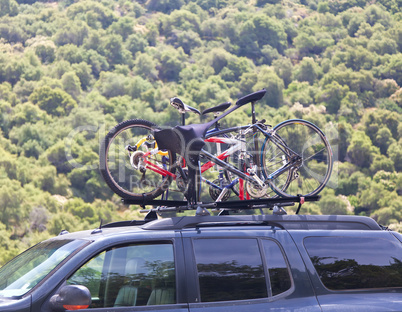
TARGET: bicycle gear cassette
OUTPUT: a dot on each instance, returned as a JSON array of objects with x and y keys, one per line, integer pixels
[
  {"x": 214, "y": 192},
  {"x": 136, "y": 159}
]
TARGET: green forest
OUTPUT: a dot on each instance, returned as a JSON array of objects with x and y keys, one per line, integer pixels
[{"x": 72, "y": 69}]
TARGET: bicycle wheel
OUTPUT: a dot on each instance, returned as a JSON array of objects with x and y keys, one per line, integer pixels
[
  {"x": 297, "y": 158},
  {"x": 123, "y": 165}
]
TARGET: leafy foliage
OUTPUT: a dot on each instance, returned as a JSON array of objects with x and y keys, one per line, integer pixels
[{"x": 70, "y": 70}]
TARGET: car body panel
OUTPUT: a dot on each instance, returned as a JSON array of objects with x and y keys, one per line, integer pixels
[
  {"x": 300, "y": 294},
  {"x": 307, "y": 292}
]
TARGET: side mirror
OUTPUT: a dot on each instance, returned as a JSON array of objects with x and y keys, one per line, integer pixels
[{"x": 71, "y": 297}]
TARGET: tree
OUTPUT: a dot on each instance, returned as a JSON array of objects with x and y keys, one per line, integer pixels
[
  {"x": 180, "y": 20},
  {"x": 394, "y": 152},
  {"x": 388, "y": 215},
  {"x": 12, "y": 197},
  {"x": 383, "y": 139},
  {"x": 28, "y": 113},
  {"x": 385, "y": 88},
  {"x": 267, "y": 79},
  {"x": 393, "y": 69},
  {"x": 82, "y": 210},
  {"x": 8, "y": 7},
  {"x": 351, "y": 108},
  {"x": 381, "y": 162},
  {"x": 112, "y": 84},
  {"x": 94, "y": 13},
  {"x": 71, "y": 84},
  {"x": 332, "y": 205},
  {"x": 259, "y": 32},
  {"x": 307, "y": 70},
  {"x": 165, "y": 6},
  {"x": 283, "y": 68},
  {"x": 115, "y": 52},
  {"x": 187, "y": 40},
  {"x": 123, "y": 26},
  {"x": 56, "y": 155},
  {"x": 83, "y": 72},
  {"x": 331, "y": 96},
  {"x": 54, "y": 101},
  {"x": 171, "y": 63},
  {"x": 74, "y": 33},
  {"x": 300, "y": 92},
  {"x": 136, "y": 43},
  {"x": 361, "y": 150},
  {"x": 71, "y": 53},
  {"x": 145, "y": 66}
]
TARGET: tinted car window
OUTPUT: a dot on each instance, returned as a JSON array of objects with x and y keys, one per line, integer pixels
[
  {"x": 356, "y": 263},
  {"x": 27, "y": 270},
  {"x": 135, "y": 275},
  {"x": 277, "y": 268},
  {"x": 229, "y": 269}
]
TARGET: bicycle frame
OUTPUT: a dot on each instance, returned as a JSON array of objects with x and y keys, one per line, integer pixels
[{"x": 236, "y": 145}]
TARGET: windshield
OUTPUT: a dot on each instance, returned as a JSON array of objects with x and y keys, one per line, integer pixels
[{"x": 25, "y": 271}]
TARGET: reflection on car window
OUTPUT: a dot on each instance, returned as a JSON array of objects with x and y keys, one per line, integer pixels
[
  {"x": 277, "y": 267},
  {"x": 24, "y": 272},
  {"x": 355, "y": 263},
  {"x": 229, "y": 269},
  {"x": 134, "y": 275}
]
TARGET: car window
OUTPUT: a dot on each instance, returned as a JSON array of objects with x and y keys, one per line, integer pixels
[
  {"x": 134, "y": 275},
  {"x": 345, "y": 263},
  {"x": 28, "y": 269},
  {"x": 278, "y": 271},
  {"x": 229, "y": 269}
]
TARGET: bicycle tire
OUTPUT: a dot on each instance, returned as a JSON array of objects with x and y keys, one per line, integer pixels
[
  {"x": 311, "y": 172},
  {"x": 127, "y": 181}
]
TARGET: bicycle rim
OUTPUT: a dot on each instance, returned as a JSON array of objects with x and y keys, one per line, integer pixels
[
  {"x": 273, "y": 156},
  {"x": 305, "y": 142},
  {"x": 123, "y": 166}
]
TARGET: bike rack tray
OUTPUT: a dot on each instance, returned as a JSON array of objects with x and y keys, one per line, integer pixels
[{"x": 176, "y": 205}]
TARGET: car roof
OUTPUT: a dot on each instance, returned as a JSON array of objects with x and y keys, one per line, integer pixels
[{"x": 288, "y": 222}]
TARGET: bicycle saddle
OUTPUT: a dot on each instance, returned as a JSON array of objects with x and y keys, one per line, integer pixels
[
  {"x": 181, "y": 107},
  {"x": 219, "y": 108},
  {"x": 253, "y": 97}
]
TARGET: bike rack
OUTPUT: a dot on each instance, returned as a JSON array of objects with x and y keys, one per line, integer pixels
[{"x": 225, "y": 206}]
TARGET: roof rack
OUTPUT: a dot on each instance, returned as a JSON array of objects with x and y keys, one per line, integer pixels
[
  {"x": 225, "y": 206},
  {"x": 288, "y": 222}
]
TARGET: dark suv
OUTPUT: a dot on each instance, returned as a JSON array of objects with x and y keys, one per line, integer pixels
[{"x": 212, "y": 263}]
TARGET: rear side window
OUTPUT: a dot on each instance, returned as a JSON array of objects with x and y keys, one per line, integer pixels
[
  {"x": 346, "y": 263},
  {"x": 277, "y": 268},
  {"x": 233, "y": 269}
]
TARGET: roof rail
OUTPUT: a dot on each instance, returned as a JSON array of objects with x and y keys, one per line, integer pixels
[{"x": 288, "y": 222}]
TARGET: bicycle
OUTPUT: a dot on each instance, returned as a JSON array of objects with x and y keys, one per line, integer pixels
[{"x": 295, "y": 157}]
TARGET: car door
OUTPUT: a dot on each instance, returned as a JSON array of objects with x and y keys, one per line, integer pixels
[
  {"x": 355, "y": 270},
  {"x": 245, "y": 269},
  {"x": 138, "y": 275}
]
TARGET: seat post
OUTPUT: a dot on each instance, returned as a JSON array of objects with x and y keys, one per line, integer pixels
[
  {"x": 253, "y": 120},
  {"x": 256, "y": 159},
  {"x": 183, "y": 118}
]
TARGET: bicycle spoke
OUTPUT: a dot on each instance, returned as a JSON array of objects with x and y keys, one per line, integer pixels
[{"x": 309, "y": 158}]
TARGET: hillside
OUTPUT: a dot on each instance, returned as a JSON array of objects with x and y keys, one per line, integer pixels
[{"x": 72, "y": 69}]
